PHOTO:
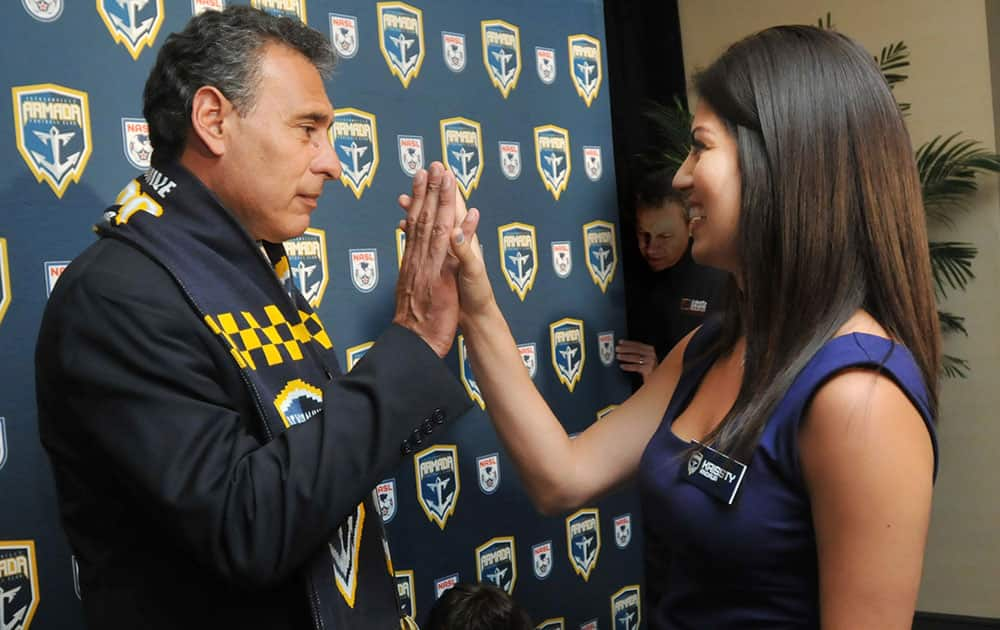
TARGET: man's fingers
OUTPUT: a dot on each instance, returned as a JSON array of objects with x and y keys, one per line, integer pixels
[
  {"x": 444, "y": 221},
  {"x": 425, "y": 219}
]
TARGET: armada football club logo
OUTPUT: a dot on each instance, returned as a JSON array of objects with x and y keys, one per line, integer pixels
[
  {"x": 355, "y": 353},
  {"x": 282, "y": 8},
  {"x": 568, "y": 350},
  {"x": 592, "y": 165},
  {"x": 438, "y": 483},
  {"x": 467, "y": 377},
  {"x": 355, "y": 138},
  {"x": 400, "y": 247},
  {"x": 489, "y": 472},
  {"x": 552, "y": 158},
  {"x": 52, "y": 126},
  {"x": 585, "y": 66},
  {"x": 453, "y": 48},
  {"x": 385, "y": 499},
  {"x": 557, "y": 623},
  {"x": 405, "y": 590},
  {"x": 200, "y": 6},
  {"x": 502, "y": 54},
  {"x": 44, "y": 10},
  {"x": 496, "y": 563},
  {"x": 5, "y": 291},
  {"x": 510, "y": 159},
  {"x": 132, "y": 23},
  {"x": 602, "y": 252},
  {"x": 518, "y": 256},
  {"x": 53, "y": 271},
  {"x": 605, "y": 411},
  {"x": 344, "y": 35},
  {"x": 606, "y": 346},
  {"x": 364, "y": 269},
  {"x": 530, "y": 357},
  {"x": 562, "y": 258},
  {"x": 411, "y": 154},
  {"x": 545, "y": 64},
  {"x": 3, "y": 442},
  {"x": 462, "y": 148},
  {"x": 135, "y": 142},
  {"x": 583, "y": 540},
  {"x": 443, "y": 584},
  {"x": 344, "y": 551},
  {"x": 541, "y": 559},
  {"x": 307, "y": 264},
  {"x": 19, "y": 593},
  {"x": 298, "y": 402},
  {"x": 401, "y": 39},
  {"x": 623, "y": 530},
  {"x": 625, "y": 609}
]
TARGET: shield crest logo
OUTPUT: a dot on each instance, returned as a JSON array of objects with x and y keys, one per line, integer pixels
[
  {"x": 602, "y": 252},
  {"x": 200, "y": 6},
  {"x": 552, "y": 158},
  {"x": 344, "y": 551},
  {"x": 606, "y": 346},
  {"x": 453, "y": 49},
  {"x": 518, "y": 256},
  {"x": 496, "y": 563},
  {"x": 585, "y": 66},
  {"x": 135, "y": 141},
  {"x": 583, "y": 540},
  {"x": 443, "y": 584},
  {"x": 694, "y": 462},
  {"x": 44, "y": 10},
  {"x": 601, "y": 413},
  {"x": 623, "y": 530},
  {"x": 282, "y": 8},
  {"x": 132, "y": 23},
  {"x": 557, "y": 623},
  {"x": 404, "y": 589},
  {"x": 401, "y": 39},
  {"x": 625, "y": 608},
  {"x": 298, "y": 402},
  {"x": 18, "y": 584},
  {"x": 568, "y": 350},
  {"x": 489, "y": 472},
  {"x": 510, "y": 159},
  {"x": 400, "y": 247},
  {"x": 307, "y": 264},
  {"x": 438, "y": 483},
  {"x": 592, "y": 165},
  {"x": 530, "y": 358},
  {"x": 5, "y": 293},
  {"x": 52, "y": 126},
  {"x": 356, "y": 353},
  {"x": 354, "y": 135},
  {"x": 411, "y": 154},
  {"x": 364, "y": 269},
  {"x": 53, "y": 271},
  {"x": 562, "y": 258},
  {"x": 541, "y": 559},
  {"x": 502, "y": 54},
  {"x": 545, "y": 64},
  {"x": 467, "y": 377},
  {"x": 385, "y": 499},
  {"x": 462, "y": 148},
  {"x": 344, "y": 35},
  {"x": 3, "y": 442}
]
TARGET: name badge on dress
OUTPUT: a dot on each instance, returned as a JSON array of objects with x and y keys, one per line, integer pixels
[{"x": 713, "y": 472}]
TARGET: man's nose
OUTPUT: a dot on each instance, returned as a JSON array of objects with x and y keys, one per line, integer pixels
[{"x": 327, "y": 163}]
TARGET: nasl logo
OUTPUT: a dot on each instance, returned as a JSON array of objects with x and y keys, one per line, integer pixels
[
  {"x": 545, "y": 64},
  {"x": 400, "y": 247},
  {"x": 344, "y": 551},
  {"x": 467, "y": 377},
  {"x": 438, "y": 483},
  {"x": 605, "y": 411},
  {"x": 583, "y": 540},
  {"x": 625, "y": 609},
  {"x": 52, "y": 126},
  {"x": 307, "y": 264},
  {"x": 401, "y": 39},
  {"x": 462, "y": 148},
  {"x": 411, "y": 153},
  {"x": 3, "y": 442},
  {"x": 344, "y": 34},
  {"x": 502, "y": 54},
  {"x": 132, "y": 23},
  {"x": 200, "y": 6},
  {"x": 364, "y": 269},
  {"x": 562, "y": 258},
  {"x": 53, "y": 271},
  {"x": 589, "y": 625},
  {"x": 135, "y": 142},
  {"x": 552, "y": 158},
  {"x": 298, "y": 401},
  {"x": 623, "y": 530},
  {"x": 405, "y": 590},
  {"x": 585, "y": 66},
  {"x": 282, "y": 8},
  {"x": 496, "y": 563},
  {"x": 592, "y": 164},
  {"x": 530, "y": 357},
  {"x": 606, "y": 346},
  {"x": 453, "y": 48},
  {"x": 602, "y": 252},
  {"x": 541, "y": 559},
  {"x": 518, "y": 256},
  {"x": 385, "y": 499},
  {"x": 568, "y": 350},
  {"x": 355, "y": 137},
  {"x": 44, "y": 10},
  {"x": 18, "y": 584},
  {"x": 355, "y": 353},
  {"x": 443, "y": 584},
  {"x": 5, "y": 292},
  {"x": 556, "y": 623},
  {"x": 510, "y": 159},
  {"x": 489, "y": 472}
]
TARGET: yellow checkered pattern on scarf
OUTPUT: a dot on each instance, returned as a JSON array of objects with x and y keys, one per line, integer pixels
[{"x": 274, "y": 342}]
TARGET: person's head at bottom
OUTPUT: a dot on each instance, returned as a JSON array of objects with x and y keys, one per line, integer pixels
[
  {"x": 477, "y": 607},
  {"x": 661, "y": 224}
]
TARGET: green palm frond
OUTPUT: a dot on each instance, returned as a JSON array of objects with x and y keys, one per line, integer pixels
[
  {"x": 892, "y": 59},
  {"x": 951, "y": 323},
  {"x": 670, "y": 135},
  {"x": 828, "y": 25},
  {"x": 954, "y": 367},
  {"x": 951, "y": 264},
  {"x": 948, "y": 169}
]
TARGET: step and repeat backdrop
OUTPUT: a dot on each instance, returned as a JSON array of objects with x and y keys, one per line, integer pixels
[{"x": 512, "y": 96}]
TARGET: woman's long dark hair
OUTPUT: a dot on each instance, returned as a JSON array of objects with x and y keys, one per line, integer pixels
[{"x": 831, "y": 220}]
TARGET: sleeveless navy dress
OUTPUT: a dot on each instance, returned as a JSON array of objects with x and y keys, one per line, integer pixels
[{"x": 752, "y": 564}]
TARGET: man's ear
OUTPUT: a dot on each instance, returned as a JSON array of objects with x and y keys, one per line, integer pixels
[{"x": 210, "y": 112}]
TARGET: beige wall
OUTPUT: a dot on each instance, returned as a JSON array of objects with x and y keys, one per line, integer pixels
[{"x": 950, "y": 90}]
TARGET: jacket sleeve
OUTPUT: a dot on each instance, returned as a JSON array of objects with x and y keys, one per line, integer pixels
[{"x": 131, "y": 372}]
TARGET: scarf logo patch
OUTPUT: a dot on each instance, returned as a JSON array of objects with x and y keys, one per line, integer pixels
[{"x": 344, "y": 552}]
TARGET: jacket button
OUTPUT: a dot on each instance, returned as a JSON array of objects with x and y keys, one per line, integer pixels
[
  {"x": 438, "y": 416},
  {"x": 406, "y": 448},
  {"x": 416, "y": 438},
  {"x": 427, "y": 427}
]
